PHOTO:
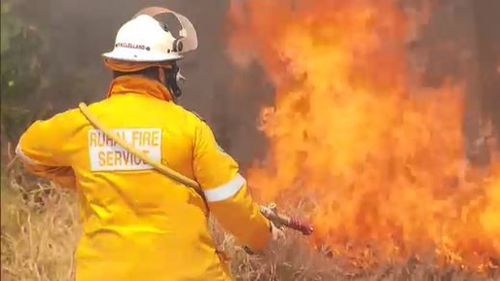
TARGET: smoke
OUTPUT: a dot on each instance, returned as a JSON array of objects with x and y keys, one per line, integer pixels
[
  {"x": 78, "y": 32},
  {"x": 230, "y": 99}
]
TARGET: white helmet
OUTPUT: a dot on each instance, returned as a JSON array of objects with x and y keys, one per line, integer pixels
[{"x": 145, "y": 39}]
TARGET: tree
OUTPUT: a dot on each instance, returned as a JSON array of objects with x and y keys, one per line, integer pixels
[{"x": 22, "y": 50}]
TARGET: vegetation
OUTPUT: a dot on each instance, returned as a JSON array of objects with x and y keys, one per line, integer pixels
[
  {"x": 31, "y": 83},
  {"x": 22, "y": 51},
  {"x": 40, "y": 230}
]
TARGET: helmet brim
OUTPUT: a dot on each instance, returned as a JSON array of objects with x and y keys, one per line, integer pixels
[{"x": 125, "y": 55}]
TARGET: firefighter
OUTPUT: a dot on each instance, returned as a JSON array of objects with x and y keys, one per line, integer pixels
[{"x": 137, "y": 223}]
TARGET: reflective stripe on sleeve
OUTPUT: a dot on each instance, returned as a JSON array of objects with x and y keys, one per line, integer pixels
[
  {"x": 225, "y": 191},
  {"x": 23, "y": 156}
]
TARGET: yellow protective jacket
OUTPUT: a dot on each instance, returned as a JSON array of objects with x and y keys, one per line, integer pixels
[{"x": 138, "y": 224}]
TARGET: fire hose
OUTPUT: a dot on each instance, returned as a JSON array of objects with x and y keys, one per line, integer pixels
[
  {"x": 270, "y": 211},
  {"x": 294, "y": 223}
]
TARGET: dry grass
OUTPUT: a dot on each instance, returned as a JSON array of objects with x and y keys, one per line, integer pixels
[
  {"x": 38, "y": 236},
  {"x": 40, "y": 230}
]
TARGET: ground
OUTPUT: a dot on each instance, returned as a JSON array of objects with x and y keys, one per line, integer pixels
[{"x": 40, "y": 230}]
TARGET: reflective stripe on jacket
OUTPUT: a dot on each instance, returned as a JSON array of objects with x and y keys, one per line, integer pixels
[{"x": 139, "y": 224}]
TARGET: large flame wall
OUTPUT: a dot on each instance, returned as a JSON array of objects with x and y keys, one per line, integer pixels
[{"x": 375, "y": 159}]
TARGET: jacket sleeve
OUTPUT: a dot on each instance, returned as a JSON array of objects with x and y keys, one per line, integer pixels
[
  {"x": 44, "y": 149},
  {"x": 227, "y": 193}
]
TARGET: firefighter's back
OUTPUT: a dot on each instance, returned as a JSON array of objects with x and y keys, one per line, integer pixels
[{"x": 138, "y": 224}]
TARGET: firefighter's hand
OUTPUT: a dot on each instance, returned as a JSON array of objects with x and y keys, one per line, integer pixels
[{"x": 276, "y": 232}]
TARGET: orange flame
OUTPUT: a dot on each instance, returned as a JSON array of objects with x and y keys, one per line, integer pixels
[{"x": 378, "y": 160}]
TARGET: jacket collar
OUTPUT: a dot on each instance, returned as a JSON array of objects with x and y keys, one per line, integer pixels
[{"x": 139, "y": 85}]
